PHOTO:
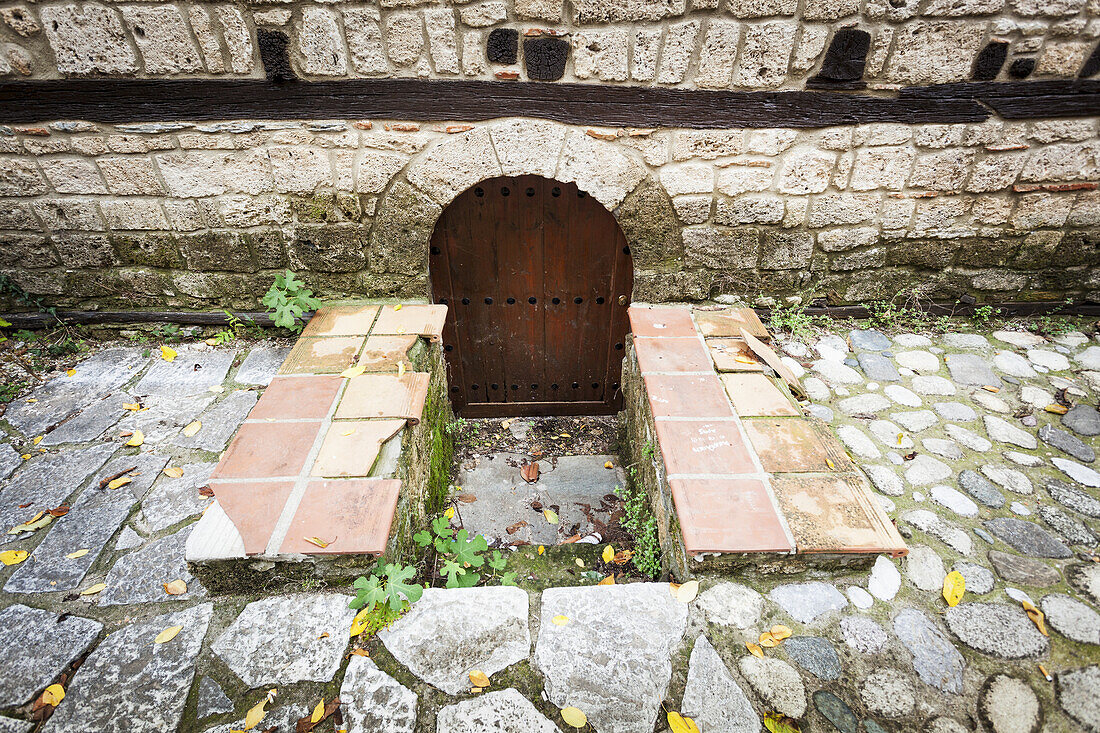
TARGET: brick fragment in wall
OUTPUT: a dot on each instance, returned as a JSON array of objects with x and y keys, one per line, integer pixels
[
  {"x": 161, "y": 36},
  {"x": 238, "y": 39},
  {"x": 989, "y": 61},
  {"x": 544, "y": 57},
  {"x": 88, "y": 40},
  {"x": 502, "y": 46},
  {"x": 1092, "y": 64},
  {"x": 364, "y": 37},
  {"x": 601, "y": 54},
  {"x": 207, "y": 38},
  {"x": 321, "y": 44},
  {"x": 404, "y": 38},
  {"x": 1021, "y": 68},
  {"x": 643, "y": 56},
  {"x": 274, "y": 55},
  {"x": 846, "y": 57},
  {"x": 21, "y": 20},
  {"x": 677, "y": 52}
]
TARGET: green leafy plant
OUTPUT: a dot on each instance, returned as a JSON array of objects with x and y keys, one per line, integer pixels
[
  {"x": 389, "y": 586},
  {"x": 462, "y": 555},
  {"x": 289, "y": 298},
  {"x": 983, "y": 314},
  {"x": 638, "y": 519},
  {"x": 791, "y": 318}
]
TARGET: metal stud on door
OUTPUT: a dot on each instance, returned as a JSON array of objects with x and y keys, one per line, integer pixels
[{"x": 538, "y": 277}]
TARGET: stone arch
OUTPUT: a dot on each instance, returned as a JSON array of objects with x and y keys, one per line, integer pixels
[{"x": 612, "y": 176}]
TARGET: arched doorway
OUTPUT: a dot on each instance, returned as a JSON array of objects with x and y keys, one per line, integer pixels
[{"x": 537, "y": 276}]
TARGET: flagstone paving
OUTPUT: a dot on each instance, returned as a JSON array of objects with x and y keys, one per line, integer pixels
[{"x": 1001, "y": 489}]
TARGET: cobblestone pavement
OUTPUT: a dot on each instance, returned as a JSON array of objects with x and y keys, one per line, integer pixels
[{"x": 955, "y": 432}]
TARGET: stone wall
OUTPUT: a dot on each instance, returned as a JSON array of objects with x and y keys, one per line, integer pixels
[
  {"x": 748, "y": 44},
  {"x": 203, "y": 214}
]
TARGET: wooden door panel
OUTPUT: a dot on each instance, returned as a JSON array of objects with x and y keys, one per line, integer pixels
[{"x": 532, "y": 270}]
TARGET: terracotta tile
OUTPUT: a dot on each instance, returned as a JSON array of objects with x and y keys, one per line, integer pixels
[
  {"x": 295, "y": 398},
  {"x": 384, "y": 353},
  {"x": 755, "y": 395},
  {"x": 355, "y": 515},
  {"x": 351, "y": 447},
  {"x": 727, "y": 352},
  {"x": 341, "y": 320},
  {"x": 727, "y": 515},
  {"x": 672, "y": 355},
  {"x": 729, "y": 322},
  {"x": 268, "y": 450},
  {"x": 385, "y": 395},
  {"x": 703, "y": 446},
  {"x": 687, "y": 395},
  {"x": 329, "y": 355},
  {"x": 794, "y": 445},
  {"x": 661, "y": 321},
  {"x": 254, "y": 507},
  {"x": 835, "y": 513},
  {"x": 419, "y": 320}
]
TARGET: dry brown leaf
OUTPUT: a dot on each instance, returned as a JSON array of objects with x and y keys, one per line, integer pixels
[
  {"x": 530, "y": 472},
  {"x": 466, "y": 498},
  {"x": 1056, "y": 409},
  {"x": 622, "y": 557},
  {"x": 206, "y": 491},
  {"x": 512, "y": 529}
]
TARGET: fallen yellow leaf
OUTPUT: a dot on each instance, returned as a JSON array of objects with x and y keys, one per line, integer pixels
[
  {"x": 574, "y": 717},
  {"x": 1037, "y": 617},
  {"x": 780, "y": 632},
  {"x": 541, "y": 549},
  {"x": 120, "y": 481},
  {"x": 398, "y": 307},
  {"x": 580, "y": 563},
  {"x": 167, "y": 635},
  {"x": 318, "y": 712},
  {"x": 26, "y": 456},
  {"x": 346, "y": 433},
  {"x": 319, "y": 542},
  {"x": 131, "y": 406},
  {"x": 359, "y": 623},
  {"x": 506, "y": 424},
  {"x": 53, "y": 694},
  {"x": 39, "y": 521},
  {"x": 954, "y": 585},
  {"x": 551, "y": 516},
  {"x": 830, "y": 464},
  {"x": 478, "y": 678},
  {"x": 609, "y": 580},
  {"x": 192, "y": 428},
  {"x": 255, "y": 714},
  {"x": 560, "y": 620},
  {"x": 1056, "y": 409},
  {"x": 38, "y": 439},
  {"x": 679, "y": 724},
  {"x": 78, "y": 553},
  {"x": 91, "y": 590},
  {"x": 354, "y": 371},
  {"x": 754, "y": 649},
  {"x": 136, "y": 439},
  {"x": 167, "y": 353},
  {"x": 13, "y": 557},
  {"x": 608, "y": 464},
  {"x": 608, "y": 553},
  {"x": 449, "y": 514},
  {"x": 768, "y": 641},
  {"x": 70, "y": 372},
  {"x": 175, "y": 588},
  {"x": 685, "y": 593},
  {"x": 173, "y": 472}
]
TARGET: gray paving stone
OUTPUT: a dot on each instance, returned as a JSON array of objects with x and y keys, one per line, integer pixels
[
  {"x": 863, "y": 634},
  {"x": 94, "y": 518},
  {"x": 815, "y": 655},
  {"x": 731, "y": 604},
  {"x": 278, "y": 640},
  {"x": 954, "y": 500},
  {"x": 1073, "y": 498},
  {"x": 220, "y": 422},
  {"x": 935, "y": 657},
  {"x": 1024, "y": 570},
  {"x": 373, "y": 701},
  {"x": 816, "y": 389},
  {"x": 173, "y": 500},
  {"x": 165, "y": 415},
  {"x": 943, "y": 448},
  {"x": 449, "y": 632},
  {"x": 139, "y": 576},
  {"x": 1027, "y": 537},
  {"x": 1089, "y": 358},
  {"x": 131, "y": 685},
  {"x": 506, "y": 711},
  {"x": 919, "y": 361},
  {"x": 990, "y": 402},
  {"x": 712, "y": 697},
  {"x": 1012, "y": 364},
  {"x": 903, "y": 395},
  {"x": 924, "y": 568},
  {"x": 868, "y": 403},
  {"x": 1021, "y": 339},
  {"x": 1081, "y": 474},
  {"x": 968, "y": 438},
  {"x": 1023, "y": 459},
  {"x": 95, "y": 377},
  {"x": 915, "y": 421},
  {"x": 1008, "y": 705},
  {"x": 11, "y": 725},
  {"x": 836, "y": 711},
  {"x": 890, "y": 435},
  {"x": 912, "y": 340},
  {"x": 192, "y": 372},
  {"x": 869, "y": 340},
  {"x": 10, "y": 459},
  {"x": 620, "y": 692},
  {"x": 859, "y": 597},
  {"x": 878, "y": 367},
  {"x": 985, "y": 536},
  {"x": 996, "y": 629},
  {"x": 90, "y": 423},
  {"x": 806, "y": 602},
  {"x": 820, "y": 412},
  {"x": 46, "y": 481},
  {"x": 933, "y": 385},
  {"x": 978, "y": 579},
  {"x": 36, "y": 647},
  {"x": 1068, "y": 528},
  {"x": 1067, "y": 443},
  {"x": 261, "y": 364},
  {"x": 1009, "y": 478},
  {"x": 970, "y": 369},
  {"x": 1004, "y": 432},
  {"x": 1085, "y": 578},
  {"x": 1071, "y": 618},
  {"x": 885, "y": 580},
  {"x": 884, "y": 480},
  {"x": 931, "y": 523},
  {"x": 973, "y": 341},
  {"x": 1037, "y": 398},
  {"x": 831, "y": 348},
  {"x": 282, "y": 718},
  {"x": 924, "y": 470},
  {"x": 128, "y": 539},
  {"x": 1078, "y": 692},
  {"x": 835, "y": 372},
  {"x": 213, "y": 700},
  {"x": 1083, "y": 420},
  {"x": 857, "y": 442},
  {"x": 889, "y": 693},
  {"x": 955, "y": 411},
  {"x": 776, "y": 682},
  {"x": 981, "y": 489}
]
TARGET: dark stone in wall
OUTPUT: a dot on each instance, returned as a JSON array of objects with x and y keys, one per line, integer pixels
[
  {"x": 1092, "y": 63},
  {"x": 502, "y": 46},
  {"x": 274, "y": 55},
  {"x": 650, "y": 226},
  {"x": 1021, "y": 68},
  {"x": 845, "y": 59},
  {"x": 328, "y": 248},
  {"x": 545, "y": 57},
  {"x": 989, "y": 61}
]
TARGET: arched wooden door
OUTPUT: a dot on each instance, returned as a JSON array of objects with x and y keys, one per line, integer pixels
[{"x": 538, "y": 276}]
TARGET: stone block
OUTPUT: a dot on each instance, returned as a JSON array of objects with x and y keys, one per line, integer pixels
[
  {"x": 928, "y": 254},
  {"x": 944, "y": 171},
  {"x": 955, "y": 8},
  {"x": 473, "y": 53},
  {"x": 1035, "y": 210},
  {"x": 20, "y": 177},
  {"x": 707, "y": 144},
  {"x": 687, "y": 178},
  {"x": 721, "y": 249},
  {"x": 399, "y": 239},
  {"x": 679, "y": 47},
  {"x": 328, "y": 248},
  {"x": 737, "y": 179},
  {"x": 151, "y": 250},
  {"x": 18, "y": 215},
  {"x": 404, "y": 37},
  {"x": 771, "y": 141},
  {"x": 300, "y": 169},
  {"x": 73, "y": 175},
  {"x": 196, "y": 174},
  {"x": 692, "y": 209},
  {"x": 860, "y": 259},
  {"x": 810, "y": 45},
  {"x": 249, "y": 211},
  {"x": 765, "y": 55},
  {"x": 238, "y": 39},
  {"x": 320, "y": 43},
  {"x": 717, "y": 54},
  {"x": 934, "y": 52},
  {"x": 135, "y": 214},
  {"x": 442, "y": 41},
  {"x": 1063, "y": 59},
  {"x": 643, "y": 53},
  {"x": 750, "y": 209},
  {"x": 836, "y": 240},
  {"x": 130, "y": 176},
  {"x": 843, "y": 208},
  {"x": 21, "y": 20},
  {"x": 214, "y": 251},
  {"x": 1048, "y": 8},
  {"x": 599, "y": 168},
  {"x": 761, "y": 8},
  {"x": 550, "y": 10},
  {"x": 829, "y": 9},
  {"x": 806, "y": 170},
  {"x": 364, "y": 38},
  {"x": 883, "y": 167},
  {"x": 601, "y": 54},
  {"x": 617, "y": 11},
  {"x": 1064, "y": 162},
  {"x": 485, "y": 14},
  {"x": 454, "y": 165},
  {"x": 649, "y": 224},
  {"x": 88, "y": 39},
  {"x": 60, "y": 214},
  {"x": 786, "y": 250},
  {"x": 996, "y": 171},
  {"x": 162, "y": 36}
]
